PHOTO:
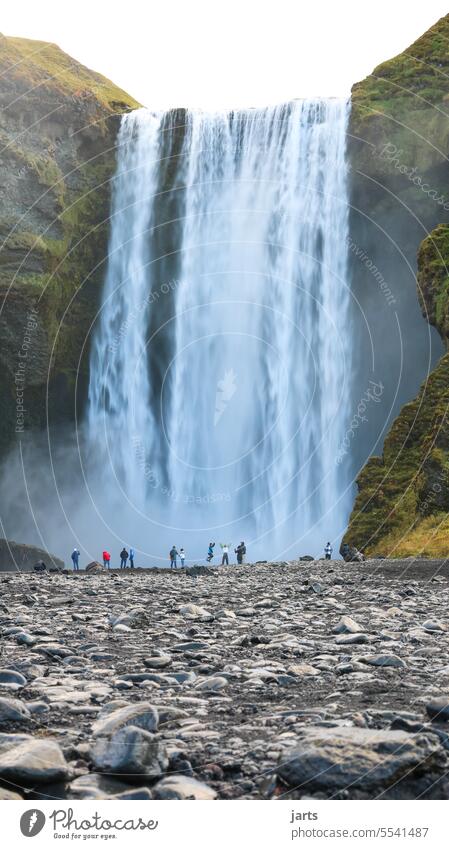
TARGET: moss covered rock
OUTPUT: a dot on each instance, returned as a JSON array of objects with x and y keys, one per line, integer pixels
[
  {"x": 58, "y": 127},
  {"x": 433, "y": 279}
]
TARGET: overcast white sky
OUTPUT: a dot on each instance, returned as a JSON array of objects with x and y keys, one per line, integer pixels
[{"x": 228, "y": 53}]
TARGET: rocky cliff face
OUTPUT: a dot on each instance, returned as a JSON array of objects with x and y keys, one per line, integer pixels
[
  {"x": 58, "y": 125},
  {"x": 398, "y": 152},
  {"x": 399, "y": 178},
  {"x": 400, "y": 135},
  {"x": 403, "y": 500}
]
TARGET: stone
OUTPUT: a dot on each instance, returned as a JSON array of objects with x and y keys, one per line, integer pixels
[
  {"x": 194, "y": 611},
  {"x": 11, "y": 678},
  {"x": 433, "y": 625},
  {"x": 131, "y": 751},
  {"x": 438, "y": 708},
  {"x": 302, "y": 669},
  {"x": 13, "y": 710},
  {"x": 142, "y": 715},
  {"x": 25, "y": 639},
  {"x": 351, "y": 554},
  {"x": 94, "y": 567},
  {"x": 332, "y": 759},
  {"x": 29, "y": 761},
  {"x": 183, "y": 787},
  {"x": 215, "y": 683},
  {"x": 9, "y": 795},
  {"x": 346, "y": 625},
  {"x": 95, "y": 785},
  {"x": 383, "y": 660},
  {"x": 158, "y": 662},
  {"x": 193, "y": 645},
  {"x": 351, "y": 639}
]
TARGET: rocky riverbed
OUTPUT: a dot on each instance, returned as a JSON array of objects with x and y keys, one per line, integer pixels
[{"x": 317, "y": 680}]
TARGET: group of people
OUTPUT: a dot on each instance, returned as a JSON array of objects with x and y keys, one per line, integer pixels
[
  {"x": 240, "y": 551},
  {"x": 124, "y": 557}
]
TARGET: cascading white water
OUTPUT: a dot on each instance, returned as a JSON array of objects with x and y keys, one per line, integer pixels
[{"x": 221, "y": 393}]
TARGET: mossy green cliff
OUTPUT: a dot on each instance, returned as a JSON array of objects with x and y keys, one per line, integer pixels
[
  {"x": 400, "y": 122},
  {"x": 403, "y": 501},
  {"x": 58, "y": 128},
  {"x": 399, "y": 155},
  {"x": 433, "y": 280}
]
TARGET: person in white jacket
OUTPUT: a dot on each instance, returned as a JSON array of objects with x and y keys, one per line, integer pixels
[
  {"x": 225, "y": 546},
  {"x": 328, "y": 551}
]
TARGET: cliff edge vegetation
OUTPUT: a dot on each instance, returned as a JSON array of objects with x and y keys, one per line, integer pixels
[{"x": 58, "y": 128}]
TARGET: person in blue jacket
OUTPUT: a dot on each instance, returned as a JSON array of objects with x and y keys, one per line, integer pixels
[{"x": 75, "y": 559}]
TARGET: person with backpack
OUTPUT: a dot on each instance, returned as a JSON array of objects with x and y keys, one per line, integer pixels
[
  {"x": 106, "y": 559},
  {"x": 75, "y": 559},
  {"x": 225, "y": 546},
  {"x": 123, "y": 558},
  {"x": 173, "y": 556},
  {"x": 131, "y": 558},
  {"x": 210, "y": 552},
  {"x": 182, "y": 556},
  {"x": 328, "y": 551}
]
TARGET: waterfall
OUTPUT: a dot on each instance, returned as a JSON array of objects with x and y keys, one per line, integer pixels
[{"x": 221, "y": 362}]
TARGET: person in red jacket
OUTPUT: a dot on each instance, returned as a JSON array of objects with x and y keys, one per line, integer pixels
[{"x": 106, "y": 559}]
